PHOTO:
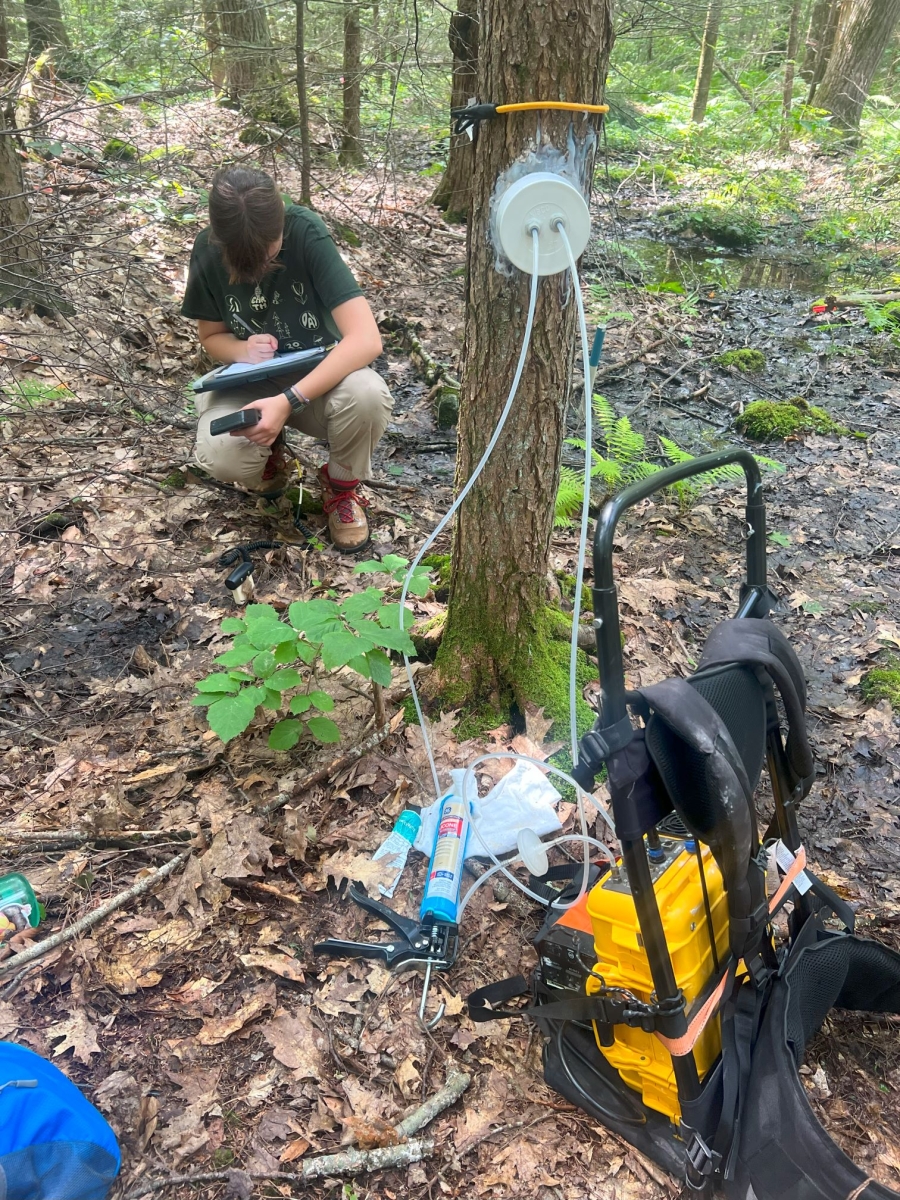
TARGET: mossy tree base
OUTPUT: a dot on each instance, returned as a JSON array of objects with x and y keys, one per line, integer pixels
[{"x": 486, "y": 686}]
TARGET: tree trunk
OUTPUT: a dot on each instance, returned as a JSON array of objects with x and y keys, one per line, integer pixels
[
  {"x": 44, "y": 22},
  {"x": 212, "y": 34},
  {"x": 351, "y": 154},
  {"x": 303, "y": 105},
  {"x": 499, "y": 640},
  {"x": 862, "y": 37},
  {"x": 827, "y": 45},
  {"x": 787, "y": 99},
  {"x": 4, "y": 33},
  {"x": 455, "y": 188},
  {"x": 815, "y": 32},
  {"x": 707, "y": 61},
  {"x": 254, "y": 81},
  {"x": 20, "y": 251}
]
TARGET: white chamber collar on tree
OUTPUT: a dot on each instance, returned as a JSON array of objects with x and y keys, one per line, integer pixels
[{"x": 541, "y": 201}]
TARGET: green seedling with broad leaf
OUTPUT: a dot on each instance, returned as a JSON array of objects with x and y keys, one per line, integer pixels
[{"x": 273, "y": 662}]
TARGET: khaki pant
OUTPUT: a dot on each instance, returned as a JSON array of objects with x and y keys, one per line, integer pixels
[{"x": 351, "y": 417}]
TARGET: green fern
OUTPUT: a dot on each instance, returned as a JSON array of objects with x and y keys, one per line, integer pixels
[{"x": 626, "y": 462}]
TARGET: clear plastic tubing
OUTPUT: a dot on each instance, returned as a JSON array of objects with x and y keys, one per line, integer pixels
[
  {"x": 445, "y": 520},
  {"x": 569, "y": 837},
  {"x": 583, "y": 837}
]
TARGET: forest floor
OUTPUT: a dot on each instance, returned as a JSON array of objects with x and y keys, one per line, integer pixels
[{"x": 198, "y": 1018}]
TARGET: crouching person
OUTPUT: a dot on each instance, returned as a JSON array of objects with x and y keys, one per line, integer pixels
[{"x": 265, "y": 278}]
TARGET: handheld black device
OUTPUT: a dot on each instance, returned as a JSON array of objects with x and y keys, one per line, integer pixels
[{"x": 242, "y": 419}]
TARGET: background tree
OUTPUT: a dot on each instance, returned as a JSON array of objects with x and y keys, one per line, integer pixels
[
  {"x": 455, "y": 188},
  {"x": 707, "y": 61},
  {"x": 253, "y": 78},
  {"x": 20, "y": 252},
  {"x": 863, "y": 33},
  {"x": 498, "y": 642},
  {"x": 303, "y": 104},
  {"x": 824, "y": 46},
  {"x": 787, "y": 98},
  {"x": 351, "y": 154},
  {"x": 45, "y": 25}
]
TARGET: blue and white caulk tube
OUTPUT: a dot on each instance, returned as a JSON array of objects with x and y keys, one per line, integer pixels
[{"x": 442, "y": 886}]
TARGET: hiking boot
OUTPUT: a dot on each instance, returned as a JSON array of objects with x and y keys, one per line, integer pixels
[
  {"x": 347, "y": 523},
  {"x": 276, "y": 472}
]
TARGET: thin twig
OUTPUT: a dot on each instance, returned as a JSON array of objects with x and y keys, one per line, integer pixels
[
  {"x": 94, "y": 917},
  {"x": 332, "y": 768}
]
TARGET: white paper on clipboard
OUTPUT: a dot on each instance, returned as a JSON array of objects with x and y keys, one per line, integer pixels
[{"x": 236, "y": 373}]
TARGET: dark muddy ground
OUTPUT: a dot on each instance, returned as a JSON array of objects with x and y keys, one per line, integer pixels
[{"x": 180, "y": 1016}]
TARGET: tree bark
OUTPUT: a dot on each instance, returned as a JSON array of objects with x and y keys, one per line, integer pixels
[
  {"x": 827, "y": 45},
  {"x": 212, "y": 34},
  {"x": 253, "y": 81},
  {"x": 20, "y": 250},
  {"x": 862, "y": 37},
  {"x": 815, "y": 32},
  {"x": 4, "y": 33},
  {"x": 454, "y": 191},
  {"x": 303, "y": 105},
  {"x": 498, "y": 644},
  {"x": 787, "y": 99},
  {"x": 707, "y": 61},
  {"x": 44, "y": 23},
  {"x": 350, "y": 154}
]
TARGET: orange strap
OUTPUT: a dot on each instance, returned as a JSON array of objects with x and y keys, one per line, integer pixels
[
  {"x": 796, "y": 867},
  {"x": 685, "y": 1044},
  {"x": 687, "y": 1041}
]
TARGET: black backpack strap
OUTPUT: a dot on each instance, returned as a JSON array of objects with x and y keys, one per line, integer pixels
[
  {"x": 762, "y": 644},
  {"x": 497, "y": 993}
]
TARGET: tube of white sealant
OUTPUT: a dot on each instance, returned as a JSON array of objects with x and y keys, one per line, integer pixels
[{"x": 442, "y": 887}]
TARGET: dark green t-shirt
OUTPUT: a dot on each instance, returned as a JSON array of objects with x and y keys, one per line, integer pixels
[{"x": 293, "y": 302}]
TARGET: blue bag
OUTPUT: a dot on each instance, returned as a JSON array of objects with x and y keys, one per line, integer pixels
[{"x": 54, "y": 1145}]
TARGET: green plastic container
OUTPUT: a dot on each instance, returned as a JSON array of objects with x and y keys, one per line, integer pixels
[{"x": 15, "y": 889}]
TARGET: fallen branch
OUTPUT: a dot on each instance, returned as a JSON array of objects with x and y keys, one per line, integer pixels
[
  {"x": 268, "y": 889},
  {"x": 332, "y": 768},
  {"x": 444, "y": 386},
  {"x": 861, "y": 299},
  {"x": 345, "y": 1162},
  {"x": 39, "y": 949},
  {"x": 67, "y": 839},
  {"x": 633, "y": 358},
  {"x": 449, "y": 1094}
]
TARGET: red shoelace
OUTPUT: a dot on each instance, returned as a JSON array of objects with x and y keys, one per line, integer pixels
[{"x": 341, "y": 501}]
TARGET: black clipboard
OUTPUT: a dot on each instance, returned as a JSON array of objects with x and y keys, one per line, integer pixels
[{"x": 297, "y": 364}]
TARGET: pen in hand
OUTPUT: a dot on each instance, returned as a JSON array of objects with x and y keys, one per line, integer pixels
[{"x": 253, "y": 332}]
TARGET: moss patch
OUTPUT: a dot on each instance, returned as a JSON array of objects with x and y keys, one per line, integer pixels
[
  {"x": 734, "y": 225},
  {"x": 119, "y": 151},
  {"x": 542, "y": 675},
  {"x": 770, "y": 420},
  {"x": 745, "y": 360},
  {"x": 441, "y": 564},
  {"x": 175, "y": 479},
  {"x": 567, "y": 587},
  {"x": 882, "y": 684}
]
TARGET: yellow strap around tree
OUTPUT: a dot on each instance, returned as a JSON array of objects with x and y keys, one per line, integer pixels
[{"x": 530, "y": 105}]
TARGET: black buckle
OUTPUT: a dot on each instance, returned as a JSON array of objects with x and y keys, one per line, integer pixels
[{"x": 700, "y": 1162}]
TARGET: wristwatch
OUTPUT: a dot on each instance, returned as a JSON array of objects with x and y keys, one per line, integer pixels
[{"x": 295, "y": 399}]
